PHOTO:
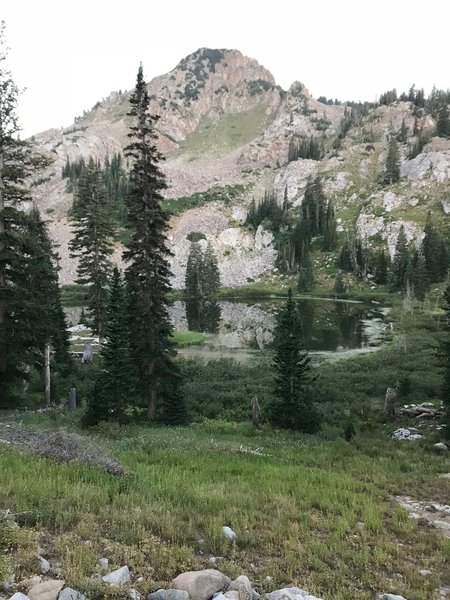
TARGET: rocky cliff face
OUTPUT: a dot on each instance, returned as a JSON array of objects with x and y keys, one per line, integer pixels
[{"x": 224, "y": 121}]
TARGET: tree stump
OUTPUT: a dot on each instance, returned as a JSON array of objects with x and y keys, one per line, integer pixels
[
  {"x": 389, "y": 403},
  {"x": 72, "y": 399}
]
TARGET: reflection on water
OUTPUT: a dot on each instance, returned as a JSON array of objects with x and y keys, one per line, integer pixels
[{"x": 327, "y": 325}]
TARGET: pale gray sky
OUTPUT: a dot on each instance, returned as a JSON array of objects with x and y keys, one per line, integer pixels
[{"x": 71, "y": 53}]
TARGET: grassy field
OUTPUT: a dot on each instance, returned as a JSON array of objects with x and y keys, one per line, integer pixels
[{"x": 294, "y": 506}]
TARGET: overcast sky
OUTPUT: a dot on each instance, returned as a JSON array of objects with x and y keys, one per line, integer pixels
[{"x": 70, "y": 54}]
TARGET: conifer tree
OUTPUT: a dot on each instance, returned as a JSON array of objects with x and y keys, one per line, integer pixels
[
  {"x": 400, "y": 262},
  {"x": 115, "y": 388},
  {"x": 92, "y": 242},
  {"x": 381, "y": 269},
  {"x": 293, "y": 408},
  {"x": 18, "y": 345},
  {"x": 329, "y": 234},
  {"x": 148, "y": 272},
  {"x": 193, "y": 281},
  {"x": 434, "y": 251},
  {"x": 443, "y": 120},
  {"x": 418, "y": 276},
  {"x": 392, "y": 168},
  {"x": 211, "y": 275}
]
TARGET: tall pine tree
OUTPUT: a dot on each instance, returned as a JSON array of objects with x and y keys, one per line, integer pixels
[
  {"x": 293, "y": 407},
  {"x": 93, "y": 242},
  {"x": 392, "y": 168},
  {"x": 18, "y": 342},
  {"x": 115, "y": 388},
  {"x": 445, "y": 393},
  {"x": 147, "y": 255},
  {"x": 400, "y": 262}
]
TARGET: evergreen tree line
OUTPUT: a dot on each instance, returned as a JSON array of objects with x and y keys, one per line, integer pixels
[
  {"x": 311, "y": 148},
  {"x": 268, "y": 211},
  {"x": 114, "y": 177},
  {"x": 202, "y": 278}
]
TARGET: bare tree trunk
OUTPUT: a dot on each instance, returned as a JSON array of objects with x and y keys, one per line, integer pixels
[
  {"x": 256, "y": 412},
  {"x": 47, "y": 374},
  {"x": 72, "y": 399}
]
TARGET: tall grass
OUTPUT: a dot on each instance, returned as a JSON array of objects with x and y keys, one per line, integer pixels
[{"x": 294, "y": 508}]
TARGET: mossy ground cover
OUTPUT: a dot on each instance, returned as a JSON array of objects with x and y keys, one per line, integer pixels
[{"x": 295, "y": 509}]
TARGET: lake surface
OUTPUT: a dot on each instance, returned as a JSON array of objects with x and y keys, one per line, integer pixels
[{"x": 244, "y": 330}]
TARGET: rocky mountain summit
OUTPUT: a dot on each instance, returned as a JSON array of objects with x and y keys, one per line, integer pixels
[{"x": 225, "y": 123}]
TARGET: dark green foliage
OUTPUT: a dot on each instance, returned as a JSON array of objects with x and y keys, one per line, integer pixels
[
  {"x": 340, "y": 288},
  {"x": 381, "y": 268},
  {"x": 306, "y": 273},
  {"x": 349, "y": 432},
  {"x": 92, "y": 242},
  {"x": 115, "y": 179},
  {"x": 115, "y": 387},
  {"x": 434, "y": 251},
  {"x": 222, "y": 389},
  {"x": 203, "y": 315},
  {"x": 355, "y": 257},
  {"x": 176, "y": 206},
  {"x": 445, "y": 391},
  {"x": 147, "y": 255},
  {"x": 310, "y": 148},
  {"x": 392, "y": 168},
  {"x": 388, "y": 97},
  {"x": 193, "y": 281},
  {"x": 268, "y": 210},
  {"x": 399, "y": 269},
  {"x": 417, "y": 275},
  {"x": 293, "y": 407},
  {"x": 329, "y": 233},
  {"x": 443, "y": 121},
  {"x": 403, "y": 133},
  {"x": 202, "y": 278},
  {"x": 314, "y": 207},
  {"x": 21, "y": 252}
]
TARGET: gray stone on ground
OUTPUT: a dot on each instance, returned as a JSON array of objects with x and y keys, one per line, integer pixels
[
  {"x": 117, "y": 577},
  {"x": 71, "y": 594},
  {"x": 19, "y": 596},
  {"x": 293, "y": 593},
  {"x": 44, "y": 565},
  {"x": 158, "y": 595},
  {"x": 445, "y": 475},
  {"x": 134, "y": 594},
  {"x": 243, "y": 585},
  {"x": 425, "y": 572},
  {"x": 47, "y": 590},
  {"x": 392, "y": 597},
  {"x": 232, "y": 595},
  {"x": 201, "y": 585},
  {"x": 103, "y": 563},
  {"x": 440, "y": 446}
]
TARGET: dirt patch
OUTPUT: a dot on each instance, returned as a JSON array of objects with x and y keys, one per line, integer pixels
[
  {"x": 60, "y": 446},
  {"x": 429, "y": 513}
]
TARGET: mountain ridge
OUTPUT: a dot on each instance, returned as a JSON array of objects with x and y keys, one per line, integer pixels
[{"x": 223, "y": 121}]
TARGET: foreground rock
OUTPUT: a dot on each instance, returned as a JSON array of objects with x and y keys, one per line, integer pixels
[
  {"x": 293, "y": 593},
  {"x": 47, "y": 590},
  {"x": 201, "y": 585},
  {"x": 118, "y": 576}
]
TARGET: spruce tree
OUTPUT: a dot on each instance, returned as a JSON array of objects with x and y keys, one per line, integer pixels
[
  {"x": 392, "y": 168},
  {"x": 211, "y": 275},
  {"x": 115, "y": 388},
  {"x": 148, "y": 273},
  {"x": 18, "y": 162},
  {"x": 193, "y": 281},
  {"x": 93, "y": 242},
  {"x": 329, "y": 234},
  {"x": 400, "y": 262},
  {"x": 443, "y": 120},
  {"x": 434, "y": 251},
  {"x": 381, "y": 269},
  {"x": 293, "y": 407}
]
